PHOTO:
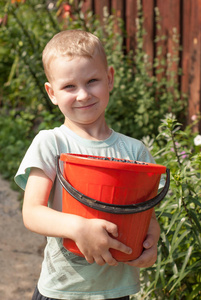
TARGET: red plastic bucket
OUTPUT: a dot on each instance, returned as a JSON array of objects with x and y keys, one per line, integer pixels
[{"x": 120, "y": 191}]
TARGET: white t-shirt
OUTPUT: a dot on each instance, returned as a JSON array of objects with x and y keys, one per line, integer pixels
[{"x": 65, "y": 275}]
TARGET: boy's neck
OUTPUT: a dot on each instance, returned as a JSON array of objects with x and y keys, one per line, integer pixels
[{"x": 89, "y": 132}]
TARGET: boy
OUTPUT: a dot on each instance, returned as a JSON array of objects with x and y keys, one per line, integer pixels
[{"x": 79, "y": 82}]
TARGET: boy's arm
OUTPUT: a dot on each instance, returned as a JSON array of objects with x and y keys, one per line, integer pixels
[
  {"x": 149, "y": 254},
  {"x": 92, "y": 236}
]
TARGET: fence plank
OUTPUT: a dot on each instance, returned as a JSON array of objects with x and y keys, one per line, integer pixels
[
  {"x": 169, "y": 12},
  {"x": 148, "y": 13},
  {"x": 118, "y": 8},
  {"x": 170, "y": 18},
  {"x": 185, "y": 58},
  {"x": 87, "y": 5},
  {"x": 199, "y": 64},
  {"x": 131, "y": 15},
  {"x": 99, "y": 7},
  {"x": 195, "y": 60}
]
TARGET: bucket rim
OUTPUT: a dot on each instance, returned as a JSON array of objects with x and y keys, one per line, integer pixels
[
  {"x": 107, "y": 207},
  {"x": 98, "y": 162}
]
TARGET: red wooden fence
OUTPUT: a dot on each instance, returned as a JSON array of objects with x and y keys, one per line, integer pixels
[{"x": 185, "y": 16}]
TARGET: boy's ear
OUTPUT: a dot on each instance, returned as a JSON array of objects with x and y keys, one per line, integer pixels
[
  {"x": 110, "y": 78},
  {"x": 50, "y": 93}
]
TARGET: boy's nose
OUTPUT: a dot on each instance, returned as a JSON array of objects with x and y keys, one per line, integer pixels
[{"x": 82, "y": 95}]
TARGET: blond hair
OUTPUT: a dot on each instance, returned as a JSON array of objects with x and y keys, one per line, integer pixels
[{"x": 72, "y": 43}]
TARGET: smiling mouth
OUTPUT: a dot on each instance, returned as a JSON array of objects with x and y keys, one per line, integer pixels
[{"x": 85, "y": 106}]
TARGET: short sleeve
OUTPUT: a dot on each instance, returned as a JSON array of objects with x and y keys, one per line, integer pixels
[{"x": 41, "y": 154}]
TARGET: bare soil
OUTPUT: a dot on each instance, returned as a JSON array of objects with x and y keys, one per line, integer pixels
[{"x": 21, "y": 251}]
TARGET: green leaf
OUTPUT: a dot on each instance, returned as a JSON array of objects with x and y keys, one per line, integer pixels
[
  {"x": 182, "y": 272},
  {"x": 194, "y": 293},
  {"x": 173, "y": 220}
]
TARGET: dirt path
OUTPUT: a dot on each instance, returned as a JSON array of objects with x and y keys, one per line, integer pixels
[{"x": 20, "y": 250}]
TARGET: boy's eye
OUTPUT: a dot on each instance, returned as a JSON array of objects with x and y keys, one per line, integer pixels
[
  {"x": 93, "y": 80},
  {"x": 69, "y": 86}
]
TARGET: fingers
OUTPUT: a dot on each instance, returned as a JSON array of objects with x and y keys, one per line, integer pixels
[
  {"x": 99, "y": 238},
  {"x": 102, "y": 260},
  {"x": 111, "y": 228},
  {"x": 106, "y": 258},
  {"x": 146, "y": 259},
  {"x": 89, "y": 259},
  {"x": 117, "y": 245},
  {"x": 148, "y": 242},
  {"x": 153, "y": 233},
  {"x": 109, "y": 259}
]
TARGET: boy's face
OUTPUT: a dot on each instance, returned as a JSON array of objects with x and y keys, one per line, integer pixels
[{"x": 80, "y": 87}]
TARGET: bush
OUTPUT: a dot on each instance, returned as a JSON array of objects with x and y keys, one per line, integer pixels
[
  {"x": 140, "y": 100},
  {"x": 24, "y": 102},
  {"x": 15, "y": 137},
  {"x": 177, "y": 273}
]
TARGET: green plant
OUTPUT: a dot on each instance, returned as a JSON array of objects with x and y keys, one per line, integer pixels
[
  {"x": 29, "y": 25},
  {"x": 135, "y": 106},
  {"x": 141, "y": 97},
  {"x": 177, "y": 273},
  {"x": 14, "y": 140}
]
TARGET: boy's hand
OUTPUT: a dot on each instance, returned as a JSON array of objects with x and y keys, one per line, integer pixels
[
  {"x": 94, "y": 239},
  {"x": 149, "y": 254}
]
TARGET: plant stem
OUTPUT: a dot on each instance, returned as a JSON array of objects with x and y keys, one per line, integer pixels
[
  {"x": 175, "y": 148},
  {"x": 54, "y": 24},
  {"x": 38, "y": 84},
  {"x": 26, "y": 33}
]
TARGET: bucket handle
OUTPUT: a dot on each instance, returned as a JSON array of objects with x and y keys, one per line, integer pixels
[{"x": 112, "y": 208}]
